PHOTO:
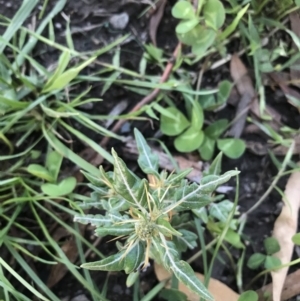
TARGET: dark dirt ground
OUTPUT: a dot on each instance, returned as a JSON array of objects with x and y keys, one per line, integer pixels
[{"x": 256, "y": 171}]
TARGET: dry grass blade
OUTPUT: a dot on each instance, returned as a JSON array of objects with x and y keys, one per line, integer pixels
[
  {"x": 59, "y": 271},
  {"x": 219, "y": 290},
  {"x": 284, "y": 229},
  {"x": 155, "y": 19},
  {"x": 295, "y": 27},
  {"x": 246, "y": 90},
  {"x": 291, "y": 287}
]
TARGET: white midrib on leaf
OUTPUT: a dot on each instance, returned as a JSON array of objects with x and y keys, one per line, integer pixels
[
  {"x": 215, "y": 182},
  {"x": 145, "y": 152},
  {"x": 173, "y": 266},
  {"x": 128, "y": 188}
]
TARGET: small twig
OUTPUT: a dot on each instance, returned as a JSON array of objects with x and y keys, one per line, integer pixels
[{"x": 149, "y": 97}]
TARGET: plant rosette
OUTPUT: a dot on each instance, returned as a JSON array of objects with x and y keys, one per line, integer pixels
[{"x": 148, "y": 217}]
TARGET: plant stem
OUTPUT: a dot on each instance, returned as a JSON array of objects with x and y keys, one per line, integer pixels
[{"x": 273, "y": 184}]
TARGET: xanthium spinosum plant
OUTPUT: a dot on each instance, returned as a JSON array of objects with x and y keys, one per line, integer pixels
[{"x": 147, "y": 216}]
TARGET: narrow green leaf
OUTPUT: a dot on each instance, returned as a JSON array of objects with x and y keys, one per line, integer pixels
[
  {"x": 231, "y": 27},
  {"x": 65, "y": 78},
  {"x": 20, "y": 16},
  {"x": 59, "y": 5},
  {"x": 111, "y": 263},
  {"x": 147, "y": 160},
  {"x": 93, "y": 219},
  {"x": 183, "y": 271},
  {"x": 115, "y": 230},
  {"x": 124, "y": 181},
  {"x": 68, "y": 153},
  {"x": 216, "y": 166},
  {"x": 165, "y": 228},
  {"x": 134, "y": 258},
  {"x": 62, "y": 64},
  {"x": 190, "y": 200}
]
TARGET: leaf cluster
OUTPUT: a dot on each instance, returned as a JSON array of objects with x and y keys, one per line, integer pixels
[
  {"x": 200, "y": 27},
  {"x": 190, "y": 133},
  {"x": 145, "y": 215},
  {"x": 269, "y": 261}
]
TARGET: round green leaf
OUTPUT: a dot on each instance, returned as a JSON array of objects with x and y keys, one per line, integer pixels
[
  {"x": 183, "y": 10},
  {"x": 225, "y": 87},
  {"x": 231, "y": 147},
  {"x": 214, "y": 14},
  {"x": 186, "y": 25},
  {"x": 189, "y": 141},
  {"x": 199, "y": 37},
  {"x": 256, "y": 260},
  {"x": 248, "y": 296},
  {"x": 272, "y": 262},
  {"x": 296, "y": 239},
  {"x": 197, "y": 116},
  {"x": 205, "y": 38},
  {"x": 216, "y": 129},
  {"x": 174, "y": 125},
  {"x": 207, "y": 148},
  {"x": 40, "y": 172},
  {"x": 271, "y": 245},
  {"x": 66, "y": 186}
]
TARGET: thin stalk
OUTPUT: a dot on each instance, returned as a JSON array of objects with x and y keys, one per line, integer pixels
[{"x": 273, "y": 184}]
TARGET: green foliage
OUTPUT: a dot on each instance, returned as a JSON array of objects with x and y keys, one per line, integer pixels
[
  {"x": 192, "y": 137},
  {"x": 50, "y": 173},
  {"x": 296, "y": 239},
  {"x": 270, "y": 262},
  {"x": 248, "y": 296},
  {"x": 201, "y": 28},
  {"x": 148, "y": 215}
]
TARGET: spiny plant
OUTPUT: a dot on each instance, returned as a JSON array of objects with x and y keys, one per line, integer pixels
[{"x": 147, "y": 215}]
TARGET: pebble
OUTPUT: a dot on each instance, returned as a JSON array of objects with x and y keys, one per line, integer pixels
[
  {"x": 119, "y": 21},
  {"x": 81, "y": 297}
]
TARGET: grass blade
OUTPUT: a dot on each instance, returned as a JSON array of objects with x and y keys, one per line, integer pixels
[{"x": 21, "y": 15}]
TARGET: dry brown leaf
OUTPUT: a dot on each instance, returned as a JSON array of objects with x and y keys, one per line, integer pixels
[
  {"x": 288, "y": 91},
  {"x": 155, "y": 19},
  {"x": 291, "y": 288},
  {"x": 59, "y": 270},
  {"x": 219, "y": 290},
  {"x": 284, "y": 229}
]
